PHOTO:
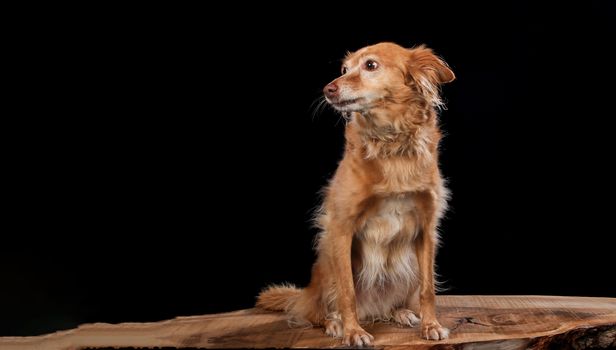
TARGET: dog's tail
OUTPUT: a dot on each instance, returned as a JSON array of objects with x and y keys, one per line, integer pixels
[{"x": 279, "y": 297}]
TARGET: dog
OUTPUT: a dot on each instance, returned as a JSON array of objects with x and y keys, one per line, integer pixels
[{"x": 376, "y": 248}]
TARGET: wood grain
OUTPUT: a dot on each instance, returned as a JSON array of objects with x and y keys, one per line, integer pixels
[{"x": 476, "y": 322}]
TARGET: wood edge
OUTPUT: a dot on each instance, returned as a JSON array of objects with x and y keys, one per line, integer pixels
[{"x": 63, "y": 336}]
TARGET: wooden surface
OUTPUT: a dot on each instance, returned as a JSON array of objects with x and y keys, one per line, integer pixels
[{"x": 476, "y": 322}]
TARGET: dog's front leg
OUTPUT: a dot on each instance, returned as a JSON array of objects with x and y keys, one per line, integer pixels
[
  {"x": 425, "y": 249},
  {"x": 340, "y": 261}
]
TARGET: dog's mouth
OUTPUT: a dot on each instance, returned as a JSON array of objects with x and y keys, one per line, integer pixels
[{"x": 345, "y": 104}]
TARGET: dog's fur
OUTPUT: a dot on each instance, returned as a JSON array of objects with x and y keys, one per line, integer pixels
[{"x": 381, "y": 211}]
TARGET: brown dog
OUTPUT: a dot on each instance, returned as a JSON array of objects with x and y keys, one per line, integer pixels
[{"x": 382, "y": 208}]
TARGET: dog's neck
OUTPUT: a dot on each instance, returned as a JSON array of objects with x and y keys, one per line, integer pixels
[{"x": 402, "y": 132}]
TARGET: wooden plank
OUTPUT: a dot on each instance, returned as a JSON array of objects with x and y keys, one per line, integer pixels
[{"x": 476, "y": 322}]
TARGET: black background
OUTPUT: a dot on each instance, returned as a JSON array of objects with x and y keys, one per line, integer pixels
[{"x": 159, "y": 163}]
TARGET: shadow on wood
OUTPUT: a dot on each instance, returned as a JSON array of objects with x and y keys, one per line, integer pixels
[{"x": 476, "y": 323}]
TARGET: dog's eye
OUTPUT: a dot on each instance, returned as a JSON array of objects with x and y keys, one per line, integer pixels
[
  {"x": 371, "y": 65},
  {"x": 344, "y": 70}
]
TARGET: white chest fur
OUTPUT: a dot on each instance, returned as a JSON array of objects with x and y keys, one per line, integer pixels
[
  {"x": 386, "y": 265},
  {"x": 394, "y": 219}
]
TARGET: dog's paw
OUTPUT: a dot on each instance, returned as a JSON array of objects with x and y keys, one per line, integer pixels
[
  {"x": 333, "y": 328},
  {"x": 434, "y": 331},
  {"x": 356, "y": 337},
  {"x": 406, "y": 317}
]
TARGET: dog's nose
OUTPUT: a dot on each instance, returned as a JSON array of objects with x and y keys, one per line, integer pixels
[{"x": 330, "y": 90}]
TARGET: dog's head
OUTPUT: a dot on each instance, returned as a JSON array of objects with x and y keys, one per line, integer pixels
[{"x": 386, "y": 73}]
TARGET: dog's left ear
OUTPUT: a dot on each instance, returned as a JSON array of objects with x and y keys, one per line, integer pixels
[{"x": 423, "y": 62}]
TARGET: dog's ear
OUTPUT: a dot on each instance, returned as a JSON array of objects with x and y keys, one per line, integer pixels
[
  {"x": 426, "y": 72},
  {"x": 423, "y": 63}
]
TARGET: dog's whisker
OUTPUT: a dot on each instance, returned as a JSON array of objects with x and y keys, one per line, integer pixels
[
  {"x": 315, "y": 107},
  {"x": 318, "y": 106}
]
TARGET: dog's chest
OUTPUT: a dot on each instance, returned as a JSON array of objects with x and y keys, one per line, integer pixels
[
  {"x": 383, "y": 251},
  {"x": 401, "y": 176},
  {"x": 393, "y": 219}
]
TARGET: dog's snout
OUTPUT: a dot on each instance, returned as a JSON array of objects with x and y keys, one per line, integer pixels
[{"x": 330, "y": 90}]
